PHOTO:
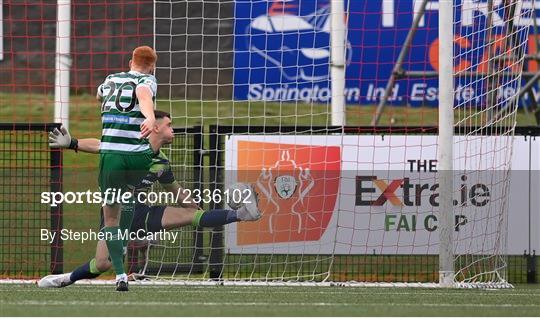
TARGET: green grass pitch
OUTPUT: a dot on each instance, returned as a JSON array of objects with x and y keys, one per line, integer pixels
[{"x": 102, "y": 300}]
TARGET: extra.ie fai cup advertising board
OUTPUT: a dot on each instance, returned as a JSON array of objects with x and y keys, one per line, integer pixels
[{"x": 378, "y": 195}]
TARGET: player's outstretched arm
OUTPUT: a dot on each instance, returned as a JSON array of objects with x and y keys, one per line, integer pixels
[
  {"x": 144, "y": 96},
  {"x": 62, "y": 139}
]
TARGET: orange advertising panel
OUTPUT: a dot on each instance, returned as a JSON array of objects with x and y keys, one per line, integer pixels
[{"x": 297, "y": 186}]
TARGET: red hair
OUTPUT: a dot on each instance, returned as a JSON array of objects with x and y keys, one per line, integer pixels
[{"x": 144, "y": 56}]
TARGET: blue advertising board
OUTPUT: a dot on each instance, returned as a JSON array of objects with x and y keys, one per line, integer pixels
[{"x": 282, "y": 50}]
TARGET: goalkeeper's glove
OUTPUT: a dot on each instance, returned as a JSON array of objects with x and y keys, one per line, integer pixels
[{"x": 62, "y": 139}]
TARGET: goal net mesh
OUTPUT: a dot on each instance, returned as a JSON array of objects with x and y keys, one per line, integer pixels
[
  {"x": 255, "y": 76},
  {"x": 248, "y": 84},
  {"x": 492, "y": 41}
]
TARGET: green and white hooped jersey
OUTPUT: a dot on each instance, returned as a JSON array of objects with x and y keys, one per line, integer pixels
[{"x": 121, "y": 115}]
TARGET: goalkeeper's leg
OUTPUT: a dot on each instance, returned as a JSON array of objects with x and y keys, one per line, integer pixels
[
  {"x": 177, "y": 217},
  {"x": 167, "y": 218},
  {"x": 89, "y": 270},
  {"x": 159, "y": 218}
]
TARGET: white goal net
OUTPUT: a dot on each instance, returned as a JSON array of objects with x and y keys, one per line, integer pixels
[{"x": 249, "y": 87}]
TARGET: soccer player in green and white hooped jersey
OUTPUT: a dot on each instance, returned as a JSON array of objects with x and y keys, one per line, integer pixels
[
  {"x": 149, "y": 218},
  {"x": 127, "y": 114}
]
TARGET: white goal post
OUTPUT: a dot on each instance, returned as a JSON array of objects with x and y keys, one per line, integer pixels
[
  {"x": 62, "y": 63},
  {"x": 445, "y": 156}
]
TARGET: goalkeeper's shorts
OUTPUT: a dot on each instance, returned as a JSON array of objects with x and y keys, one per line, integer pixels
[
  {"x": 118, "y": 173},
  {"x": 145, "y": 217}
]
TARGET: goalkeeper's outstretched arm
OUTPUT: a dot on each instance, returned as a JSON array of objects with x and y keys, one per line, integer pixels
[
  {"x": 90, "y": 145},
  {"x": 62, "y": 139}
]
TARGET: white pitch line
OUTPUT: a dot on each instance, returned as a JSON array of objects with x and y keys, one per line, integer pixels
[
  {"x": 323, "y": 292},
  {"x": 258, "y": 304}
]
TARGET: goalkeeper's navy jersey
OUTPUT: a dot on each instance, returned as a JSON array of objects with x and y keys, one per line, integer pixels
[
  {"x": 121, "y": 115},
  {"x": 160, "y": 171}
]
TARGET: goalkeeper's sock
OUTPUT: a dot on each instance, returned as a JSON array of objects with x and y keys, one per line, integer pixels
[
  {"x": 86, "y": 271},
  {"x": 116, "y": 248},
  {"x": 214, "y": 218}
]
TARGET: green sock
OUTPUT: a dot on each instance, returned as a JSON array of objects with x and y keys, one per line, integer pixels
[
  {"x": 93, "y": 267},
  {"x": 115, "y": 246},
  {"x": 214, "y": 218},
  {"x": 197, "y": 219},
  {"x": 126, "y": 218}
]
